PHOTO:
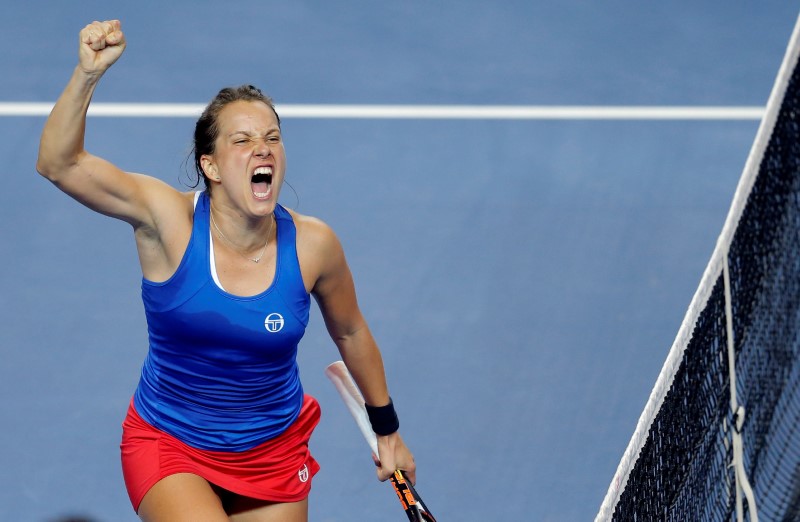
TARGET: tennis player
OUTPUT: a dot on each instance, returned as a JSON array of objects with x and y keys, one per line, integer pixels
[{"x": 218, "y": 427}]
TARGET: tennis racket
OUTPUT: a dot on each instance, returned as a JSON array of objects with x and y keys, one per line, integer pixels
[{"x": 409, "y": 498}]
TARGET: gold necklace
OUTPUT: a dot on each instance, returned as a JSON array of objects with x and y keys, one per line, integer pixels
[{"x": 235, "y": 248}]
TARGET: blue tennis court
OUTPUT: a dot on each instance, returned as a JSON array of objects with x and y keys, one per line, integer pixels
[{"x": 525, "y": 278}]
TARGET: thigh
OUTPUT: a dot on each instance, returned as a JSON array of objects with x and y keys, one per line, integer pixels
[
  {"x": 182, "y": 497},
  {"x": 243, "y": 509}
]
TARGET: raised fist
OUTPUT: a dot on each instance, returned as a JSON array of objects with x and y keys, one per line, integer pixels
[{"x": 101, "y": 44}]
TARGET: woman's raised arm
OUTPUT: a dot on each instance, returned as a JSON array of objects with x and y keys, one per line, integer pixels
[{"x": 95, "y": 182}]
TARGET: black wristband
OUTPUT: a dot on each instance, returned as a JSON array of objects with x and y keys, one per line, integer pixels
[{"x": 383, "y": 418}]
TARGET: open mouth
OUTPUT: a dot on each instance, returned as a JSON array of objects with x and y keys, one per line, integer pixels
[{"x": 261, "y": 181}]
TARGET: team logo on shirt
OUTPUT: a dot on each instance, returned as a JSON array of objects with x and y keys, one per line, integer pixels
[
  {"x": 273, "y": 322},
  {"x": 303, "y": 473}
]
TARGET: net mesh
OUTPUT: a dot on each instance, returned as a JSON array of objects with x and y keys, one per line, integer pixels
[{"x": 681, "y": 467}]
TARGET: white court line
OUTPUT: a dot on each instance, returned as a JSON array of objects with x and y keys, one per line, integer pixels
[{"x": 439, "y": 112}]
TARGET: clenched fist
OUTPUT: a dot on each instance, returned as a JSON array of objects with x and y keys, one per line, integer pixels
[{"x": 101, "y": 44}]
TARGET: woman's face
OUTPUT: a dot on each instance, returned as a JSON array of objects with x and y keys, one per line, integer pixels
[{"x": 249, "y": 161}]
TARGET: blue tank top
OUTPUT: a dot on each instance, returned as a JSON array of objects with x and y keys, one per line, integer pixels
[{"x": 221, "y": 371}]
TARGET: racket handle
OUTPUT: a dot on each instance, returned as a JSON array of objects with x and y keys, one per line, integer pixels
[{"x": 415, "y": 509}]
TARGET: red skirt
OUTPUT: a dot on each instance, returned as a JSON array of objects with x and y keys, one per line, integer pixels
[{"x": 279, "y": 470}]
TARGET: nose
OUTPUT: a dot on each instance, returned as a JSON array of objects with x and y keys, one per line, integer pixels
[{"x": 261, "y": 149}]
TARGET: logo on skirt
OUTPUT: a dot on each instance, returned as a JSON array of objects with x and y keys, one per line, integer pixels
[{"x": 303, "y": 474}]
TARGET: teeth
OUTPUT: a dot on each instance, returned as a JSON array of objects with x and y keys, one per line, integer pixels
[{"x": 263, "y": 170}]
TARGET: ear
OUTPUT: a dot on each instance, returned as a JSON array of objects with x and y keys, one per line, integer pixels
[{"x": 209, "y": 167}]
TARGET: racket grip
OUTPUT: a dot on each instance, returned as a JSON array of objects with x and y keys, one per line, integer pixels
[{"x": 415, "y": 509}]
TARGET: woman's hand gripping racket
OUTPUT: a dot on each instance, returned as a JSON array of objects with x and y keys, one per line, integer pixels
[{"x": 409, "y": 498}]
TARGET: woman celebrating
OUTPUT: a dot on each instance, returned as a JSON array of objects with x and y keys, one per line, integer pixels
[{"x": 218, "y": 427}]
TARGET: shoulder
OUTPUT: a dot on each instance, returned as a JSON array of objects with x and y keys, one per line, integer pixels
[
  {"x": 168, "y": 207},
  {"x": 159, "y": 196},
  {"x": 162, "y": 238},
  {"x": 319, "y": 251},
  {"x": 313, "y": 232}
]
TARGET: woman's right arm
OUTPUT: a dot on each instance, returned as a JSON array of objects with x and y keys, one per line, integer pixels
[{"x": 63, "y": 160}]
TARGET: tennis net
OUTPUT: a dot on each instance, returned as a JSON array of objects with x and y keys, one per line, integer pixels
[{"x": 714, "y": 444}]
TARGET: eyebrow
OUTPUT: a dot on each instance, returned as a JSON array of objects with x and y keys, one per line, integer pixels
[{"x": 249, "y": 133}]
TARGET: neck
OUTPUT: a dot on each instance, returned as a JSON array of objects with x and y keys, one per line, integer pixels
[{"x": 245, "y": 235}]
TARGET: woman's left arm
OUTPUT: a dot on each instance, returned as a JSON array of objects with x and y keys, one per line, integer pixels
[{"x": 334, "y": 290}]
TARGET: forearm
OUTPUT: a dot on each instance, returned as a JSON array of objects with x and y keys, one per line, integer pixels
[
  {"x": 61, "y": 147},
  {"x": 363, "y": 358},
  {"x": 62, "y": 140}
]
